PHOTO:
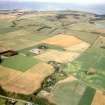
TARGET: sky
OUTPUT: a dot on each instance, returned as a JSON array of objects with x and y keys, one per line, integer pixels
[{"x": 65, "y": 1}]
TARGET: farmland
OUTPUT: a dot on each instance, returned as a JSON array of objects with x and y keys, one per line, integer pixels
[
  {"x": 98, "y": 98},
  {"x": 60, "y": 57},
  {"x": 53, "y": 55},
  {"x": 62, "y": 40},
  {"x": 72, "y": 93},
  {"x": 19, "y": 62},
  {"x": 26, "y": 85},
  {"x": 93, "y": 58}
]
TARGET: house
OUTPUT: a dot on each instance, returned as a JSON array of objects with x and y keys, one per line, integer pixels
[{"x": 36, "y": 51}]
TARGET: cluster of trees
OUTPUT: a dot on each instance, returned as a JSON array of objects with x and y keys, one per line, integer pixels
[
  {"x": 59, "y": 74},
  {"x": 43, "y": 46},
  {"x": 0, "y": 59}
]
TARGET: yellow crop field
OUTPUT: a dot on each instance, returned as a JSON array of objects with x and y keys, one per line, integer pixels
[
  {"x": 99, "y": 98},
  {"x": 59, "y": 56},
  {"x": 31, "y": 80},
  {"x": 62, "y": 40}
]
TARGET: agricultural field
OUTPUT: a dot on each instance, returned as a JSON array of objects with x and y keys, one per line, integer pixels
[
  {"x": 62, "y": 40},
  {"x": 58, "y": 56},
  {"x": 91, "y": 61},
  {"x": 19, "y": 82},
  {"x": 19, "y": 62},
  {"x": 60, "y": 60},
  {"x": 72, "y": 45},
  {"x": 2, "y": 101},
  {"x": 99, "y": 98},
  {"x": 71, "y": 92},
  {"x": 26, "y": 85}
]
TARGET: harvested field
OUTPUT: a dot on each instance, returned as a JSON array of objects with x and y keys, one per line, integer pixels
[
  {"x": 79, "y": 47},
  {"x": 99, "y": 98},
  {"x": 3, "y": 47},
  {"x": 7, "y": 75},
  {"x": 101, "y": 31},
  {"x": 59, "y": 56},
  {"x": 62, "y": 40},
  {"x": 26, "y": 85},
  {"x": 8, "y": 16}
]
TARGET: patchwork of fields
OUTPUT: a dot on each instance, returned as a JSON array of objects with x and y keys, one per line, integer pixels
[
  {"x": 27, "y": 82},
  {"x": 71, "y": 92},
  {"x": 92, "y": 60},
  {"x": 31, "y": 74},
  {"x": 46, "y": 42}
]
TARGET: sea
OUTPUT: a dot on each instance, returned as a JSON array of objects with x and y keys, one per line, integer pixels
[{"x": 46, "y": 6}]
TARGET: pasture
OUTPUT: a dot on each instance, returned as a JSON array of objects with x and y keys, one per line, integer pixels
[
  {"x": 21, "y": 38},
  {"x": 19, "y": 62},
  {"x": 71, "y": 93},
  {"x": 88, "y": 37},
  {"x": 26, "y": 51},
  {"x": 93, "y": 58}
]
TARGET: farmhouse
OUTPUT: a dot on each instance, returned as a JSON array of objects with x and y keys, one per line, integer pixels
[{"x": 36, "y": 51}]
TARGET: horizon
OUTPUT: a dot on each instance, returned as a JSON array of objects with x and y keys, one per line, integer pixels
[
  {"x": 42, "y": 5},
  {"x": 79, "y": 2}
]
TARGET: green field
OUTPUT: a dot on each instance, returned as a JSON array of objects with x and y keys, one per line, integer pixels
[
  {"x": 27, "y": 50},
  {"x": 2, "y": 101},
  {"x": 85, "y": 36},
  {"x": 5, "y": 27},
  {"x": 93, "y": 58},
  {"x": 19, "y": 62},
  {"x": 87, "y": 96},
  {"x": 71, "y": 93}
]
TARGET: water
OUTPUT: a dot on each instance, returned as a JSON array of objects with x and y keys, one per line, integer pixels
[
  {"x": 100, "y": 25},
  {"x": 98, "y": 9}
]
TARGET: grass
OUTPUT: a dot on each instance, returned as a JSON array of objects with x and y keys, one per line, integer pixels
[
  {"x": 2, "y": 101},
  {"x": 93, "y": 58},
  {"x": 55, "y": 47},
  {"x": 5, "y": 27},
  {"x": 68, "y": 93},
  {"x": 86, "y": 36},
  {"x": 19, "y": 62},
  {"x": 27, "y": 50},
  {"x": 87, "y": 96},
  {"x": 73, "y": 93}
]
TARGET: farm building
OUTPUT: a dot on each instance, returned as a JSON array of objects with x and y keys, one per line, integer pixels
[{"x": 36, "y": 51}]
